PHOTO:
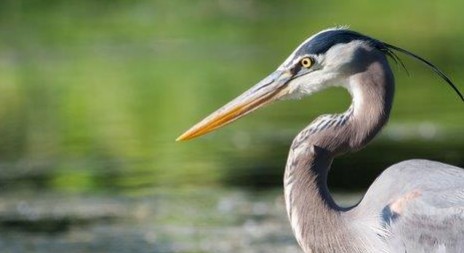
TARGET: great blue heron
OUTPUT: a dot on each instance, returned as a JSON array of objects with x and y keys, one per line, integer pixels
[{"x": 413, "y": 206}]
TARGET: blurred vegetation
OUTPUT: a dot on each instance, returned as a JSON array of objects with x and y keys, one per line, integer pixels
[{"x": 93, "y": 93}]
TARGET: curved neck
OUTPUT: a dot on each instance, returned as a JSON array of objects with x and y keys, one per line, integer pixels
[
  {"x": 372, "y": 92},
  {"x": 315, "y": 218},
  {"x": 318, "y": 223}
]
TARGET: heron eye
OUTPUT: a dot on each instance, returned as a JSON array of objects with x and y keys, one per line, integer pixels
[{"x": 306, "y": 62}]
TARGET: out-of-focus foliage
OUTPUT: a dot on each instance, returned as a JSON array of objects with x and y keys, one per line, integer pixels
[{"x": 93, "y": 93}]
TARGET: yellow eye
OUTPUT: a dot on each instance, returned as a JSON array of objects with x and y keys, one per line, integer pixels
[{"x": 306, "y": 62}]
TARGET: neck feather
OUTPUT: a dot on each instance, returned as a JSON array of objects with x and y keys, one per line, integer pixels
[
  {"x": 318, "y": 223},
  {"x": 372, "y": 93}
]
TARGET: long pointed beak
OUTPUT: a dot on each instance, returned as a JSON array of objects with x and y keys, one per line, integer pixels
[{"x": 266, "y": 91}]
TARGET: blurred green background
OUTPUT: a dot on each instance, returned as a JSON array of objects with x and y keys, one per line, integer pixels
[{"x": 93, "y": 93}]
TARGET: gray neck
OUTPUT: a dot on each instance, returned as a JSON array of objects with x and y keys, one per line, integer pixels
[{"x": 318, "y": 223}]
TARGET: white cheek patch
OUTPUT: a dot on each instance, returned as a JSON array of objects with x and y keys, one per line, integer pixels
[
  {"x": 331, "y": 74},
  {"x": 333, "y": 70},
  {"x": 311, "y": 83}
]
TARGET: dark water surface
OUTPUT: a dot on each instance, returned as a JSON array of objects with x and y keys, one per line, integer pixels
[{"x": 187, "y": 220}]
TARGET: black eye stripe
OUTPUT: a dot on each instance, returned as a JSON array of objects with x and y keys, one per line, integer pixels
[{"x": 296, "y": 68}]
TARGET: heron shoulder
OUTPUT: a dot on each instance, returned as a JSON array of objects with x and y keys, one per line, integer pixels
[
  {"x": 419, "y": 169},
  {"x": 421, "y": 205},
  {"x": 426, "y": 180}
]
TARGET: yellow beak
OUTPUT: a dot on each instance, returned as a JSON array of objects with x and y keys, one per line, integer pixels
[{"x": 266, "y": 91}]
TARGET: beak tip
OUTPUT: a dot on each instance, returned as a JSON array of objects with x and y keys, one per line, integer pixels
[
  {"x": 185, "y": 136},
  {"x": 180, "y": 138}
]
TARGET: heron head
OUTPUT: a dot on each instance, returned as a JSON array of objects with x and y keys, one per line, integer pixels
[{"x": 325, "y": 59}]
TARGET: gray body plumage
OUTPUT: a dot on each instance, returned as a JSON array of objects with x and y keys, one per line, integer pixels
[
  {"x": 413, "y": 206},
  {"x": 426, "y": 199}
]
